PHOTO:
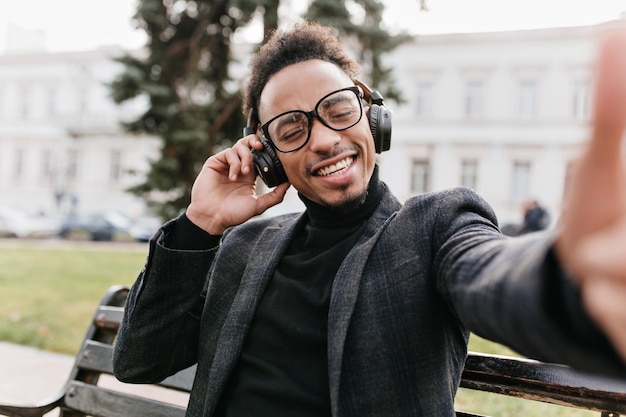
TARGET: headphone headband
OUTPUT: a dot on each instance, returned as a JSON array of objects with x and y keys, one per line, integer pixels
[
  {"x": 371, "y": 96},
  {"x": 251, "y": 125}
]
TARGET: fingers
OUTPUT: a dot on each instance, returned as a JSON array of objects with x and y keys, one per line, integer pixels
[
  {"x": 596, "y": 198},
  {"x": 603, "y": 253},
  {"x": 609, "y": 116},
  {"x": 594, "y": 232},
  {"x": 604, "y": 300},
  {"x": 239, "y": 157}
]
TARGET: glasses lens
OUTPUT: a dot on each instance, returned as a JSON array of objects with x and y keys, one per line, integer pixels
[
  {"x": 340, "y": 110},
  {"x": 289, "y": 131}
]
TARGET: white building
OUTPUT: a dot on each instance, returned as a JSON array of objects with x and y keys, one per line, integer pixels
[
  {"x": 504, "y": 113},
  {"x": 61, "y": 142}
]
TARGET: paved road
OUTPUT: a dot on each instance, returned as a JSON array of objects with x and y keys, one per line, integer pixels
[
  {"x": 55, "y": 243},
  {"x": 29, "y": 376}
]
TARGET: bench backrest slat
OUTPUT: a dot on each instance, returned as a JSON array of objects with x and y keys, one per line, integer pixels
[
  {"x": 96, "y": 356},
  {"x": 109, "y": 317},
  {"x": 552, "y": 383},
  {"x": 99, "y": 402}
]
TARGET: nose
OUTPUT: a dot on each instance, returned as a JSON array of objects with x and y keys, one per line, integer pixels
[{"x": 323, "y": 138}]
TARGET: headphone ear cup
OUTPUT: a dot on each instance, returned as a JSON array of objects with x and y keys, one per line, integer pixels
[
  {"x": 380, "y": 125},
  {"x": 268, "y": 166}
]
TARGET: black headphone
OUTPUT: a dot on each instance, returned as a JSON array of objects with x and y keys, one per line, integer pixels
[{"x": 268, "y": 165}]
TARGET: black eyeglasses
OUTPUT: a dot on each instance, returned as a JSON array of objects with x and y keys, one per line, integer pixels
[{"x": 339, "y": 110}]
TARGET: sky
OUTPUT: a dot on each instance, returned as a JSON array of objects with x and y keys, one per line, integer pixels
[
  {"x": 86, "y": 24},
  {"x": 458, "y": 16}
]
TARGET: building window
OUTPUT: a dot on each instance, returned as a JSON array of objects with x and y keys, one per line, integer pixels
[
  {"x": 52, "y": 102},
  {"x": 2, "y": 98},
  {"x": 580, "y": 101},
  {"x": 82, "y": 100},
  {"x": 72, "y": 164},
  {"x": 116, "y": 166},
  {"x": 424, "y": 103},
  {"x": 420, "y": 176},
  {"x": 47, "y": 169},
  {"x": 527, "y": 100},
  {"x": 520, "y": 181},
  {"x": 24, "y": 102},
  {"x": 474, "y": 100},
  {"x": 18, "y": 164},
  {"x": 469, "y": 173}
]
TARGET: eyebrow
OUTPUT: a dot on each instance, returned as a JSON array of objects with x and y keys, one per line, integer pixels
[
  {"x": 282, "y": 120},
  {"x": 339, "y": 98}
]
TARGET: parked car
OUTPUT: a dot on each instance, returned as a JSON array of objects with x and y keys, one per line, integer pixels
[
  {"x": 17, "y": 222},
  {"x": 143, "y": 228},
  {"x": 105, "y": 226}
]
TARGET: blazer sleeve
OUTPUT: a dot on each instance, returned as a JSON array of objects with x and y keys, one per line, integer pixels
[
  {"x": 159, "y": 332},
  {"x": 513, "y": 290}
]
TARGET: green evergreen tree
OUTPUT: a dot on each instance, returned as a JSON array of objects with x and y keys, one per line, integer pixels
[{"x": 194, "y": 104}]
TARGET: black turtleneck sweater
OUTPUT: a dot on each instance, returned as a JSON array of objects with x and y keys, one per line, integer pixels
[{"x": 283, "y": 367}]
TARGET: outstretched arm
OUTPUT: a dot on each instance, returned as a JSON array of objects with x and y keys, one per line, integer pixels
[{"x": 592, "y": 241}]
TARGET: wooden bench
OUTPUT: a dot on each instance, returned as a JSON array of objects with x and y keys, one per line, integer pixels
[{"x": 92, "y": 391}]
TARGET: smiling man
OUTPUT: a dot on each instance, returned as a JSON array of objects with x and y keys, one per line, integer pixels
[
  {"x": 360, "y": 305},
  {"x": 334, "y": 169}
]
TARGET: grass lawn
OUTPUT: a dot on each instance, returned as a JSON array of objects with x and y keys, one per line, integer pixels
[{"x": 49, "y": 295}]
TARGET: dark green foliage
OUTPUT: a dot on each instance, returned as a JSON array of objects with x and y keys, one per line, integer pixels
[
  {"x": 194, "y": 105},
  {"x": 368, "y": 37}
]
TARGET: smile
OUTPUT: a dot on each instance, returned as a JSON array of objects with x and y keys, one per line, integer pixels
[{"x": 335, "y": 169}]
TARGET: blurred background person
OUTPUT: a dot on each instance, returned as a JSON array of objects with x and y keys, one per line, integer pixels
[{"x": 535, "y": 217}]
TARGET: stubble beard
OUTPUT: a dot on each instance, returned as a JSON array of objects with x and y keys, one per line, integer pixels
[{"x": 350, "y": 202}]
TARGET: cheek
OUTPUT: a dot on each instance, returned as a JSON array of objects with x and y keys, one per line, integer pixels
[
  {"x": 368, "y": 140},
  {"x": 290, "y": 165}
]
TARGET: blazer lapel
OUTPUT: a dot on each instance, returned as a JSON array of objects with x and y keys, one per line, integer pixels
[
  {"x": 257, "y": 274},
  {"x": 346, "y": 288}
]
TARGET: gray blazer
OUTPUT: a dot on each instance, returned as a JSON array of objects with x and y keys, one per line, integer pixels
[{"x": 420, "y": 278}]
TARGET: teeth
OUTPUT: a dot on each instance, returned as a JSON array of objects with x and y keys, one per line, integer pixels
[{"x": 335, "y": 168}]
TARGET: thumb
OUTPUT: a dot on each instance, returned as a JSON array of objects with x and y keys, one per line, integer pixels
[{"x": 272, "y": 198}]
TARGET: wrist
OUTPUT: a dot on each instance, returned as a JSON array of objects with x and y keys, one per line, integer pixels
[{"x": 206, "y": 221}]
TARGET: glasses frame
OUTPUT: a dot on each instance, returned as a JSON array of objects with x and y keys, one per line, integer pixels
[{"x": 314, "y": 114}]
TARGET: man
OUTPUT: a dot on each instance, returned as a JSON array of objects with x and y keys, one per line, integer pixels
[
  {"x": 362, "y": 306},
  {"x": 535, "y": 217}
]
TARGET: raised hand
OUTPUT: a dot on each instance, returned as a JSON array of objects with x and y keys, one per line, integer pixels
[
  {"x": 224, "y": 193},
  {"x": 592, "y": 242}
]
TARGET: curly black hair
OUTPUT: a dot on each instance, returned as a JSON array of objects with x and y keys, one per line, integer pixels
[{"x": 303, "y": 42}]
